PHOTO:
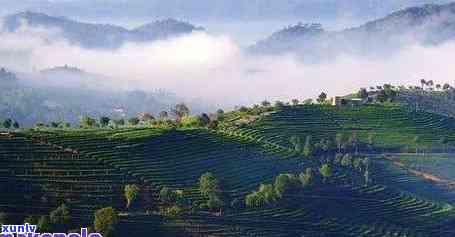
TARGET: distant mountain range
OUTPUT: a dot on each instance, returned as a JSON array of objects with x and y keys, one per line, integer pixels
[
  {"x": 99, "y": 35},
  {"x": 214, "y": 9},
  {"x": 430, "y": 24}
]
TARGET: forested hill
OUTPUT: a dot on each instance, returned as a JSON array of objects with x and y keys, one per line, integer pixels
[
  {"x": 428, "y": 24},
  {"x": 101, "y": 35}
]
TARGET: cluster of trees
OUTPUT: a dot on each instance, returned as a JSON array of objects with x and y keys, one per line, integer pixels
[
  {"x": 10, "y": 124},
  {"x": 343, "y": 142},
  {"x": 173, "y": 202},
  {"x": 287, "y": 186},
  {"x": 379, "y": 94}
]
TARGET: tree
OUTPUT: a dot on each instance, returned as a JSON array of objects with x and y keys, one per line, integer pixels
[
  {"x": 295, "y": 102},
  {"x": 220, "y": 115},
  {"x": 279, "y": 104},
  {"x": 308, "y": 148},
  {"x": 7, "y": 123},
  {"x": 133, "y": 121},
  {"x": 363, "y": 93},
  {"x": 285, "y": 184},
  {"x": 296, "y": 143},
  {"x": 44, "y": 225},
  {"x": 16, "y": 125},
  {"x": 446, "y": 87},
  {"x": 347, "y": 160},
  {"x": 87, "y": 122},
  {"x": 430, "y": 83},
  {"x": 322, "y": 97},
  {"x": 326, "y": 171},
  {"x": 204, "y": 119},
  {"x": 438, "y": 86},
  {"x": 105, "y": 221},
  {"x": 307, "y": 178},
  {"x": 208, "y": 184},
  {"x": 131, "y": 191},
  {"x": 119, "y": 122},
  {"x": 339, "y": 138},
  {"x": 163, "y": 115},
  {"x": 167, "y": 195},
  {"x": 265, "y": 103},
  {"x": 60, "y": 217},
  {"x": 370, "y": 141},
  {"x": 423, "y": 83},
  {"x": 180, "y": 110},
  {"x": 104, "y": 121}
]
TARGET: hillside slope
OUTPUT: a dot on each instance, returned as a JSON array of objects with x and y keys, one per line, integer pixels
[
  {"x": 101, "y": 35},
  {"x": 176, "y": 158},
  {"x": 430, "y": 24}
]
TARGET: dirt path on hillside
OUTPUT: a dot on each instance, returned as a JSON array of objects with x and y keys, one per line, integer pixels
[{"x": 424, "y": 175}]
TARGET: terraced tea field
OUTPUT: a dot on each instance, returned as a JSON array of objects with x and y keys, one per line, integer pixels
[
  {"x": 391, "y": 127},
  {"x": 88, "y": 169}
]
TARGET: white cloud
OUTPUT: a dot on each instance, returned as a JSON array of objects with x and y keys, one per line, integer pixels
[{"x": 215, "y": 69}]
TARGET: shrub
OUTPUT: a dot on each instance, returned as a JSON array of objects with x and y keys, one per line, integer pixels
[
  {"x": 131, "y": 192},
  {"x": 105, "y": 221}
]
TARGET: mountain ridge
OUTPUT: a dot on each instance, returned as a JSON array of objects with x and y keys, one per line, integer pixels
[
  {"x": 429, "y": 24},
  {"x": 102, "y": 35}
]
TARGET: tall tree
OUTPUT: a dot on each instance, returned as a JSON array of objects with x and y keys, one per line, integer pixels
[
  {"x": 326, "y": 171},
  {"x": 131, "y": 193},
  {"x": 180, "y": 110},
  {"x": 308, "y": 148},
  {"x": 322, "y": 98},
  {"x": 104, "y": 121},
  {"x": 105, "y": 221}
]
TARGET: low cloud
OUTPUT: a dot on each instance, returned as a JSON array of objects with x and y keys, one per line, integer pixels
[{"x": 214, "y": 68}]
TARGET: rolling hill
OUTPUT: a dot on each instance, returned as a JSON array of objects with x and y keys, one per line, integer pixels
[
  {"x": 101, "y": 35},
  {"x": 394, "y": 203},
  {"x": 430, "y": 24}
]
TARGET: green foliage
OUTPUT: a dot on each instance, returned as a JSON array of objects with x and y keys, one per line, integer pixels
[
  {"x": 44, "y": 224},
  {"x": 322, "y": 98},
  {"x": 133, "y": 121},
  {"x": 167, "y": 195},
  {"x": 7, "y": 123},
  {"x": 208, "y": 185},
  {"x": 105, "y": 221},
  {"x": 131, "y": 192},
  {"x": 326, "y": 171},
  {"x": 266, "y": 195},
  {"x": 87, "y": 122},
  {"x": 307, "y": 178},
  {"x": 308, "y": 148},
  {"x": 297, "y": 144},
  {"x": 104, "y": 121},
  {"x": 210, "y": 189},
  {"x": 285, "y": 184},
  {"x": 60, "y": 217},
  {"x": 363, "y": 93},
  {"x": 191, "y": 122},
  {"x": 347, "y": 160},
  {"x": 180, "y": 110}
]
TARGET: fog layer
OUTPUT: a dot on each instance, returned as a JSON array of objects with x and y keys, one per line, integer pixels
[{"x": 214, "y": 68}]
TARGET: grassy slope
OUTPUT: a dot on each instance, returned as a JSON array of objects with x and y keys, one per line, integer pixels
[{"x": 177, "y": 158}]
